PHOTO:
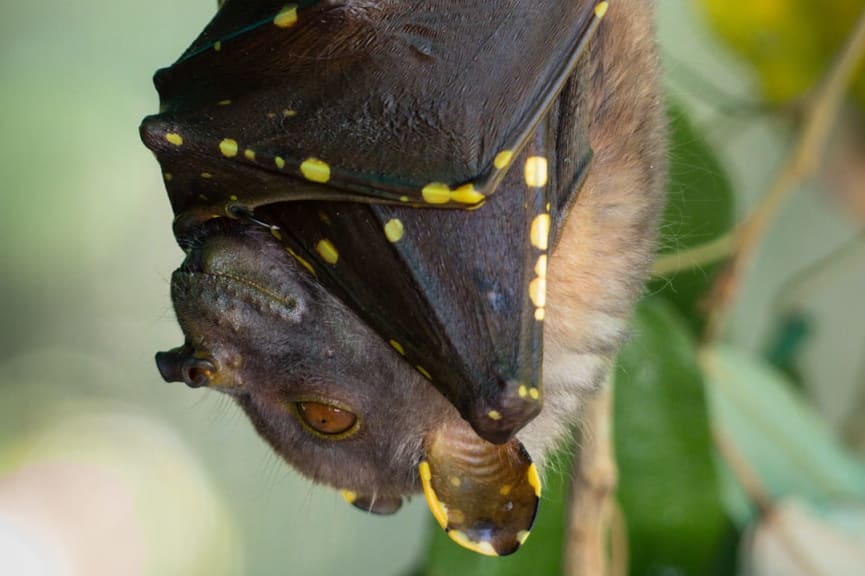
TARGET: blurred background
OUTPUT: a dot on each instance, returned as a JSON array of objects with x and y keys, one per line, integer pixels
[{"x": 106, "y": 469}]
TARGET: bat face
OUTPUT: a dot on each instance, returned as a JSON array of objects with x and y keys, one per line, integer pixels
[
  {"x": 368, "y": 194},
  {"x": 331, "y": 397}
]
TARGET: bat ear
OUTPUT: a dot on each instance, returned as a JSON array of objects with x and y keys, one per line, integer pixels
[
  {"x": 483, "y": 495},
  {"x": 381, "y": 505}
]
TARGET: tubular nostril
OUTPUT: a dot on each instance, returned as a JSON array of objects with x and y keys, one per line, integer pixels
[
  {"x": 197, "y": 372},
  {"x": 170, "y": 363}
]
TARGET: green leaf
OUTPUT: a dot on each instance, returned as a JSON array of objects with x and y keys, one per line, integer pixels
[
  {"x": 699, "y": 209},
  {"x": 791, "y": 332},
  {"x": 542, "y": 552},
  {"x": 782, "y": 440},
  {"x": 668, "y": 486}
]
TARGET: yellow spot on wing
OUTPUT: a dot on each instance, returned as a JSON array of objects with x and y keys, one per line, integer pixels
[
  {"x": 286, "y": 17},
  {"x": 455, "y": 481},
  {"x": 168, "y": 176},
  {"x": 534, "y": 393},
  {"x": 224, "y": 102},
  {"x": 249, "y": 154},
  {"x": 315, "y": 170},
  {"x": 301, "y": 260},
  {"x": 217, "y": 45},
  {"x": 280, "y": 163},
  {"x": 523, "y": 391},
  {"x": 536, "y": 171},
  {"x": 502, "y": 159},
  {"x": 398, "y": 347},
  {"x": 541, "y": 266},
  {"x": 424, "y": 371},
  {"x": 466, "y": 194},
  {"x": 349, "y": 496},
  {"x": 522, "y": 536},
  {"x": 537, "y": 291},
  {"x": 534, "y": 479},
  {"x": 505, "y": 490},
  {"x": 456, "y": 516},
  {"x": 327, "y": 251},
  {"x": 429, "y": 493},
  {"x": 424, "y": 471},
  {"x": 539, "y": 285},
  {"x": 274, "y": 231},
  {"x": 439, "y": 193},
  {"x": 436, "y": 193},
  {"x": 601, "y": 9},
  {"x": 174, "y": 138},
  {"x": 228, "y": 147},
  {"x": 394, "y": 230},
  {"x": 484, "y": 548},
  {"x": 494, "y": 415},
  {"x": 540, "y": 231}
]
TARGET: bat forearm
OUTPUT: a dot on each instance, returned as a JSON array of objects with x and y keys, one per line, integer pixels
[{"x": 602, "y": 259}]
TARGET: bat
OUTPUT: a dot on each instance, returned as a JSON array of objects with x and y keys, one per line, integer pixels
[{"x": 386, "y": 207}]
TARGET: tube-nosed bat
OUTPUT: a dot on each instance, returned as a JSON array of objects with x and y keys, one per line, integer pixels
[{"x": 414, "y": 233}]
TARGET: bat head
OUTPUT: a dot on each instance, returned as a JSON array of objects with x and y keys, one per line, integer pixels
[{"x": 335, "y": 401}]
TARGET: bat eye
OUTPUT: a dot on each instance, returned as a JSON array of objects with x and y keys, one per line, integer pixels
[{"x": 326, "y": 419}]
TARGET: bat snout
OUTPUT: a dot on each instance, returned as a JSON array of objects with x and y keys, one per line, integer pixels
[
  {"x": 181, "y": 365},
  {"x": 170, "y": 362}
]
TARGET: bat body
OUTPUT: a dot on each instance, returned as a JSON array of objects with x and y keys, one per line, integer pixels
[{"x": 380, "y": 317}]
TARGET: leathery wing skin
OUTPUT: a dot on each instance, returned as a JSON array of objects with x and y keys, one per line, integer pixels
[{"x": 485, "y": 496}]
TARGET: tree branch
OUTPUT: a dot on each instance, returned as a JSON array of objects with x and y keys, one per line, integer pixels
[
  {"x": 819, "y": 114},
  {"x": 591, "y": 491}
]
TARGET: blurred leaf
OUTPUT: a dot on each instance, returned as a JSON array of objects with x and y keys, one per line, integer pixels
[
  {"x": 542, "y": 552},
  {"x": 792, "y": 540},
  {"x": 790, "y": 43},
  {"x": 843, "y": 168},
  {"x": 699, "y": 209},
  {"x": 113, "y": 489},
  {"x": 790, "y": 333},
  {"x": 668, "y": 487},
  {"x": 782, "y": 439}
]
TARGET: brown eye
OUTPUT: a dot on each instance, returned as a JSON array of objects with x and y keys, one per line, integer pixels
[{"x": 326, "y": 419}]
